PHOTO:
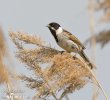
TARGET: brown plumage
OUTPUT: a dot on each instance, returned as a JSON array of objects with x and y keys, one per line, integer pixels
[
  {"x": 74, "y": 39},
  {"x": 81, "y": 47}
]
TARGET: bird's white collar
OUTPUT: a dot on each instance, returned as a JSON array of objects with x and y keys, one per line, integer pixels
[{"x": 59, "y": 30}]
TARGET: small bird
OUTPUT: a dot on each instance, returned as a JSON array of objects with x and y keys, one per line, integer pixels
[{"x": 68, "y": 41}]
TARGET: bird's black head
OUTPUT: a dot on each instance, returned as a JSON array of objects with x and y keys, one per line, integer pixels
[{"x": 53, "y": 27}]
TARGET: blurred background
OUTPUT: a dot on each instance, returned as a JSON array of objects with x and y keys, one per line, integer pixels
[{"x": 89, "y": 20}]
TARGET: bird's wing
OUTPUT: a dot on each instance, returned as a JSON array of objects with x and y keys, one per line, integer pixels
[{"x": 73, "y": 38}]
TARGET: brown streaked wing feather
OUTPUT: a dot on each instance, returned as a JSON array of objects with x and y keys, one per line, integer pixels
[{"x": 74, "y": 39}]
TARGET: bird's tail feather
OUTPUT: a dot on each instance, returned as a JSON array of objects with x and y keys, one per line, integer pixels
[{"x": 83, "y": 55}]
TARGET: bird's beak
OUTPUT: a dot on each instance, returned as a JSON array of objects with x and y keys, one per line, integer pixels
[{"x": 48, "y": 26}]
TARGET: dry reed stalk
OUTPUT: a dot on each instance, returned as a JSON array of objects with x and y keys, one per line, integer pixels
[
  {"x": 96, "y": 82},
  {"x": 93, "y": 44},
  {"x": 3, "y": 71},
  {"x": 4, "y": 74},
  {"x": 93, "y": 41}
]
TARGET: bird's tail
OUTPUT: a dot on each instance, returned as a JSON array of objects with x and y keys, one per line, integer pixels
[{"x": 83, "y": 55}]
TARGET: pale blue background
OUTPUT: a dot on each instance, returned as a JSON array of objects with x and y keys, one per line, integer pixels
[{"x": 33, "y": 15}]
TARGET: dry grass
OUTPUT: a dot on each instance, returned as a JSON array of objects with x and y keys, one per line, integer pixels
[
  {"x": 102, "y": 38},
  {"x": 6, "y": 74},
  {"x": 63, "y": 73},
  {"x": 62, "y": 70},
  {"x": 3, "y": 70},
  {"x": 104, "y": 6}
]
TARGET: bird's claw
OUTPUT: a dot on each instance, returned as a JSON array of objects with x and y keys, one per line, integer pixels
[{"x": 62, "y": 52}]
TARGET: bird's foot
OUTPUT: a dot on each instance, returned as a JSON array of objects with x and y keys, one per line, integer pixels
[
  {"x": 74, "y": 56},
  {"x": 62, "y": 52}
]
